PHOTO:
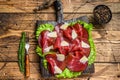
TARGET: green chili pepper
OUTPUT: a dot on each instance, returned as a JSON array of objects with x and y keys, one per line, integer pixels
[{"x": 21, "y": 53}]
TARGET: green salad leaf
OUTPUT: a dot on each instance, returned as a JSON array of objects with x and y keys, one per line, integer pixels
[
  {"x": 39, "y": 51},
  {"x": 43, "y": 27},
  {"x": 67, "y": 73}
]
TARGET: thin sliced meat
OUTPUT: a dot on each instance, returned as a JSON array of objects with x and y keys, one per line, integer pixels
[
  {"x": 57, "y": 28},
  {"x": 50, "y": 65},
  {"x": 81, "y": 31},
  {"x": 84, "y": 33},
  {"x": 74, "y": 64},
  {"x": 64, "y": 50},
  {"x": 50, "y": 41},
  {"x": 75, "y": 45},
  {"x": 68, "y": 33},
  {"x": 42, "y": 40},
  {"x": 78, "y": 28},
  {"x": 53, "y": 61},
  {"x": 60, "y": 64},
  {"x": 78, "y": 54},
  {"x": 85, "y": 51},
  {"x": 45, "y": 41},
  {"x": 57, "y": 43}
]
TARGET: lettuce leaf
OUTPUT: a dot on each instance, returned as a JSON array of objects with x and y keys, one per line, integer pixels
[
  {"x": 67, "y": 73},
  {"x": 43, "y": 27},
  {"x": 39, "y": 51}
]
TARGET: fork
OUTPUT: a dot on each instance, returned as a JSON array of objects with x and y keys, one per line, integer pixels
[{"x": 27, "y": 64}]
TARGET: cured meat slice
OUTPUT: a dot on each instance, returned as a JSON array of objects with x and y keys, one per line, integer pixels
[
  {"x": 68, "y": 33},
  {"x": 75, "y": 45},
  {"x": 50, "y": 65},
  {"x": 57, "y": 28},
  {"x": 42, "y": 40},
  {"x": 85, "y": 50},
  {"x": 81, "y": 31},
  {"x": 64, "y": 50},
  {"x": 56, "y": 62},
  {"x": 78, "y": 28},
  {"x": 45, "y": 41},
  {"x": 64, "y": 47},
  {"x": 50, "y": 41},
  {"x": 57, "y": 43},
  {"x": 61, "y": 45},
  {"x": 84, "y": 33},
  {"x": 74, "y": 63}
]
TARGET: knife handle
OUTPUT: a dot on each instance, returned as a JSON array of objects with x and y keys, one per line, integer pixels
[{"x": 27, "y": 66}]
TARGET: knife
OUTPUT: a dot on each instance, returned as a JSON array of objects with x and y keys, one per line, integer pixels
[{"x": 27, "y": 64}]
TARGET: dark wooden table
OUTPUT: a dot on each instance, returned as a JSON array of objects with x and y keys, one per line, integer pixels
[{"x": 17, "y": 16}]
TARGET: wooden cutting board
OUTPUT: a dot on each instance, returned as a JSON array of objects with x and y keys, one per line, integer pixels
[{"x": 43, "y": 71}]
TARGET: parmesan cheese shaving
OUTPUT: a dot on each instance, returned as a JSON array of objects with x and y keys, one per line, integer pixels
[
  {"x": 64, "y": 26},
  {"x": 84, "y": 59},
  {"x": 52, "y": 34},
  {"x": 64, "y": 43},
  {"x": 74, "y": 34},
  {"x": 57, "y": 70},
  {"x": 85, "y": 45},
  {"x": 60, "y": 57},
  {"x": 48, "y": 48}
]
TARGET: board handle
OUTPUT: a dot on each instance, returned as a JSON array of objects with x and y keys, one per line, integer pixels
[{"x": 58, "y": 11}]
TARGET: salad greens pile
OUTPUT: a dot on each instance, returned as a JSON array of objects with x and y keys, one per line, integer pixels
[{"x": 67, "y": 73}]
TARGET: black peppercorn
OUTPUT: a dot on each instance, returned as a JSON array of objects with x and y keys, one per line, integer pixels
[{"x": 102, "y": 14}]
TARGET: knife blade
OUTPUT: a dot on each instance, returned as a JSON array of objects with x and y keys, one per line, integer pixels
[{"x": 27, "y": 64}]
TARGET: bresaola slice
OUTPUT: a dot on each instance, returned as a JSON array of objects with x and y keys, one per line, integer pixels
[
  {"x": 42, "y": 40},
  {"x": 81, "y": 31},
  {"x": 57, "y": 43},
  {"x": 78, "y": 28},
  {"x": 74, "y": 64},
  {"x": 84, "y": 33},
  {"x": 76, "y": 45},
  {"x": 70, "y": 47},
  {"x": 45, "y": 41},
  {"x": 68, "y": 33},
  {"x": 85, "y": 50},
  {"x": 56, "y": 62}
]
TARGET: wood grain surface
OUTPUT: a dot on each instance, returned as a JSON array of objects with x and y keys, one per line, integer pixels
[{"x": 18, "y": 16}]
